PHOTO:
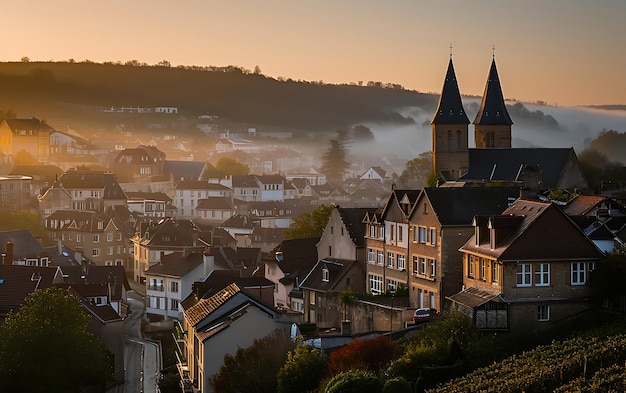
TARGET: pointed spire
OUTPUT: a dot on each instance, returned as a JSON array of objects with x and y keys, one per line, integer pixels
[
  {"x": 492, "y": 108},
  {"x": 450, "y": 108}
]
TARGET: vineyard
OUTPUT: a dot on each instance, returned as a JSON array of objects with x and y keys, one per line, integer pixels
[{"x": 582, "y": 364}]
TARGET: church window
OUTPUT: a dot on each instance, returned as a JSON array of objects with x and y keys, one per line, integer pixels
[{"x": 458, "y": 140}]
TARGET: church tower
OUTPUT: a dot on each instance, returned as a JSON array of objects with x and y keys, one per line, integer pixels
[
  {"x": 492, "y": 125},
  {"x": 450, "y": 129}
]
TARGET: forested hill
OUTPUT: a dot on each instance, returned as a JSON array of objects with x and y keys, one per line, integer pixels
[{"x": 62, "y": 90}]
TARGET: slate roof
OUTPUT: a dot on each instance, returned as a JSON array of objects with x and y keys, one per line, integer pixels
[
  {"x": 538, "y": 231},
  {"x": 268, "y": 235},
  {"x": 506, "y": 164},
  {"x": 189, "y": 170},
  {"x": 154, "y": 196},
  {"x": 141, "y": 155},
  {"x": 215, "y": 203},
  {"x": 84, "y": 179},
  {"x": 33, "y": 124},
  {"x": 337, "y": 269},
  {"x": 492, "y": 108},
  {"x": 17, "y": 282},
  {"x": 200, "y": 185},
  {"x": 176, "y": 264},
  {"x": 238, "y": 221},
  {"x": 450, "y": 108},
  {"x": 353, "y": 220},
  {"x": 115, "y": 275},
  {"x": 24, "y": 243},
  {"x": 220, "y": 279},
  {"x": 168, "y": 232},
  {"x": 243, "y": 181},
  {"x": 459, "y": 205}
]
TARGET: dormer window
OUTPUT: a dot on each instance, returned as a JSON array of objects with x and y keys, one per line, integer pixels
[{"x": 325, "y": 274}]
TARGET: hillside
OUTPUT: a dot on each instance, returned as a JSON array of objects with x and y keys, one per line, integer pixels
[{"x": 61, "y": 90}]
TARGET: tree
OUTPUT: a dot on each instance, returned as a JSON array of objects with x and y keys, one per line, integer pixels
[
  {"x": 309, "y": 224},
  {"x": 334, "y": 164},
  {"x": 24, "y": 157},
  {"x": 231, "y": 166},
  {"x": 302, "y": 371},
  {"x": 254, "y": 369},
  {"x": 354, "y": 381},
  {"x": 417, "y": 172},
  {"x": 362, "y": 133},
  {"x": 372, "y": 354},
  {"x": 45, "y": 346},
  {"x": 25, "y": 59},
  {"x": 164, "y": 63},
  {"x": 24, "y": 219}
]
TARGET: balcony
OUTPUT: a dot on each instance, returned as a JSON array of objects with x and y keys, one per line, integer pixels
[{"x": 159, "y": 288}]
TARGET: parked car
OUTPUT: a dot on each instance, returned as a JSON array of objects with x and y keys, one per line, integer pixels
[{"x": 422, "y": 315}]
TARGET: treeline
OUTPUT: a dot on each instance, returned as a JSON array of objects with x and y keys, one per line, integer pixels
[{"x": 230, "y": 92}]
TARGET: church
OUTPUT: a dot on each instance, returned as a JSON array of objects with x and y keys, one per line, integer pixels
[{"x": 493, "y": 160}]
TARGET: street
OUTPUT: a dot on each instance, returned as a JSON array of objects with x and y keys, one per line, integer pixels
[{"x": 140, "y": 356}]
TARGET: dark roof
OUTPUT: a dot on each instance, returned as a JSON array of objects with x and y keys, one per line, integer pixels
[
  {"x": 238, "y": 221},
  {"x": 24, "y": 243},
  {"x": 459, "y": 205},
  {"x": 337, "y": 269},
  {"x": 43, "y": 172},
  {"x": 169, "y": 233},
  {"x": 506, "y": 164},
  {"x": 474, "y": 296},
  {"x": 141, "y": 155},
  {"x": 537, "y": 231},
  {"x": 199, "y": 185},
  {"x": 268, "y": 235},
  {"x": 33, "y": 124},
  {"x": 142, "y": 195},
  {"x": 450, "y": 108},
  {"x": 17, "y": 282},
  {"x": 189, "y": 170},
  {"x": 94, "y": 180},
  {"x": 244, "y": 181},
  {"x": 492, "y": 108},
  {"x": 213, "y": 203},
  {"x": 176, "y": 264},
  {"x": 353, "y": 220},
  {"x": 114, "y": 275}
]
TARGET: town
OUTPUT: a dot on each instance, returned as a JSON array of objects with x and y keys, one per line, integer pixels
[{"x": 180, "y": 257}]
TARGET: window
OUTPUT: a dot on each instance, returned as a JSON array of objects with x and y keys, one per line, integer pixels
[
  {"x": 110, "y": 250},
  {"x": 370, "y": 256},
  {"x": 458, "y": 140},
  {"x": 79, "y": 237},
  {"x": 483, "y": 269},
  {"x": 433, "y": 236},
  {"x": 433, "y": 267},
  {"x": 414, "y": 233},
  {"x": 422, "y": 234},
  {"x": 376, "y": 284},
  {"x": 495, "y": 271},
  {"x": 332, "y": 230},
  {"x": 543, "y": 313},
  {"x": 401, "y": 264},
  {"x": 312, "y": 298},
  {"x": 400, "y": 234},
  {"x": 330, "y": 250},
  {"x": 381, "y": 232},
  {"x": 542, "y": 274},
  {"x": 579, "y": 273},
  {"x": 392, "y": 285},
  {"x": 470, "y": 266},
  {"x": 95, "y": 252},
  {"x": 96, "y": 238},
  {"x": 415, "y": 264},
  {"x": 372, "y": 231},
  {"x": 381, "y": 257},
  {"x": 422, "y": 265},
  {"x": 390, "y": 259},
  {"x": 173, "y": 304},
  {"x": 174, "y": 286},
  {"x": 109, "y": 237},
  {"x": 325, "y": 274},
  {"x": 524, "y": 272}
]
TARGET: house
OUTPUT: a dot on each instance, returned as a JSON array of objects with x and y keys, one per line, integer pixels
[
  {"x": 440, "y": 223},
  {"x": 183, "y": 170},
  {"x": 218, "y": 325},
  {"x": 82, "y": 190},
  {"x": 15, "y": 192},
  {"x": 70, "y": 142},
  {"x": 150, "y": 204},
  {"x": 152, "y": 241},
  {"x": 42, "y": 176},
  {"x": 140, "y": 164},
  {"x": 387, "y": 243},
  {"x": 17, "y": 282},
  {"x": 266, "y": 238},
  {"x": 238, "y": 226},
  {"x": 526, "y": 270},
  {"x": 214, "y": 210},
  {"x": 329, "y": 193},
  {"x": 286, "y": 266},
  {"x": 271, "y": 214},
  {"x": 189, "y": 193},
  {"x": 375, "y": 173},
  {"x": 112, "y": 278},
  {"x": 302, "y": 186},
  {"x": 170, "y": 281},
  {"x": 101, "y": 238},
  {"x": 20, "y": 247},
  {"x": 228, "y": 143},
  {"x": 30, "y": 136}
]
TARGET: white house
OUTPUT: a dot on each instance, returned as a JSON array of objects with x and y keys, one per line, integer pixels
[{"x": 188, "y": 193}]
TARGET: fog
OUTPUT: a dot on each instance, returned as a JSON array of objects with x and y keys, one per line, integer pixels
[{"x": 578, "y": 126}]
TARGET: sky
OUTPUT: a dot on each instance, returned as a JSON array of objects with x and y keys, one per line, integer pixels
[{"x": 562, "y": 52}]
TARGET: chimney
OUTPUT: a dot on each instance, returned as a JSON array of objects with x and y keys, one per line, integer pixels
[
  {"x": 208, "y": 260},
  {"x": 8, "y": 258}
]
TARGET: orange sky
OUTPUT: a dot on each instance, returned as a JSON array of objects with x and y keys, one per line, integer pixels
[{"x": 564, "y": 52}]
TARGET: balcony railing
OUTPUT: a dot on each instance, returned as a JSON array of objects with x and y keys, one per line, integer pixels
[{"x": 159, "y": 288}]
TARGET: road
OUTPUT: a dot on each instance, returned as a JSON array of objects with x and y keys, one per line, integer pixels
[{"x": 141, "y": 356}]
